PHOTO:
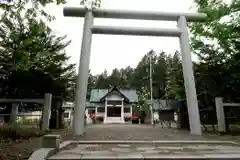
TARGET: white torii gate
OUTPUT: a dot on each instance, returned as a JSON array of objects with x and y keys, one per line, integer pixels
[{"x": 90, "y": 28}]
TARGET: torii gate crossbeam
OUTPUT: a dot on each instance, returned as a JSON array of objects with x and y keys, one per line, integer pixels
[{"x": 89, "y": 29}]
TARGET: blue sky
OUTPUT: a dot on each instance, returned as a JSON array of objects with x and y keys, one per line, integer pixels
[{"x": 112, "y": 51}]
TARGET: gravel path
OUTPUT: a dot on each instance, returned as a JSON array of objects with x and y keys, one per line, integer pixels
[
  {"x": 133, "y": 132},
  {"x": 111, "y": 132},
  {"x": 141, "y": 132}
]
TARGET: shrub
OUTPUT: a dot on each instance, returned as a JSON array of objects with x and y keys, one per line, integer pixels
[
  {"x": 99, "y": 120},
  {"x": 67, "y": 123},
  {"x": 15, "y": 132}
]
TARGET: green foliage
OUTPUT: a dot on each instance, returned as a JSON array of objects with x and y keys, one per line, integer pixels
[
  {"x": 143, "y": 96},
  {"x": 30, "y": 9},
  {"x": 142, "y": 115},
  {"x": 175, "y": 82},
  {"x": 217, "y": 43},
  {"x": 67, "y": 124},
  {"x": 32, "y": 57},
  {"x": 220, "y": 30},
  {"x": 32, "y": 54},
  {"x": 167, "y": 78},
  {"x": 33, "y": 60},
  {"x": 91, "y": 4},
  {"x": 8, "y": 132},
  {"x": 160, "y": 75},
  {"x": 23, "y": 120}
]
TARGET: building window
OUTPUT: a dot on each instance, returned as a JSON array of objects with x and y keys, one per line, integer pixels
[
  {"x": 91, "y": 111},
  {"x": 101, "y": 109},
  {"x": 126, "y": 110},
  {"x": 66, "y": 115}
]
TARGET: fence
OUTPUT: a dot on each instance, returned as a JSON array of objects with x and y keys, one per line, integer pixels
[
  {"x": 224, "y": 118},
  {"x": 26, "y": 119},
  {"x": 43, "y": 116}
]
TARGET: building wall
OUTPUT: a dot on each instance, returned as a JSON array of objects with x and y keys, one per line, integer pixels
[
  {"x": 114, "y": 97},
  {"x": 156, "y": 116},
  {"x": 129, "y": 113},
  {"x": 68, "y": 114},
  {"x": 167, "y": 115},
  {"x": 98, "y": 113},
  {"x": 29, "y": 118},
  {"x": 115, "y": 100}
]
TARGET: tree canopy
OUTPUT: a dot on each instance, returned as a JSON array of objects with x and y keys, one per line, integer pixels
[
  {"x": 31, "y": 53},
  {"x": 217, "y": 44},
  {"x": 33, "y": 60}
]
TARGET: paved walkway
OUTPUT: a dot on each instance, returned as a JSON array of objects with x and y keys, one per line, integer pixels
[
  {"x": 141, "y": 151},
  {"x": 147, "y": 133}
]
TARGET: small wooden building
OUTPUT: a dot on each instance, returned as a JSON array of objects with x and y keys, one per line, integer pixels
[
  {"x": 165, "y": 109},
  {"x": 113, "y": 105}
]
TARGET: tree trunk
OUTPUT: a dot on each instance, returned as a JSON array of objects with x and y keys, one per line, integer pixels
[{"x": 183, "y": 117}]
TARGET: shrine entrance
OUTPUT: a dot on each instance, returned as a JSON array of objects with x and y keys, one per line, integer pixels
[
  {"x": 181, "y": 32},
  {"x": 114, "y": 111}
]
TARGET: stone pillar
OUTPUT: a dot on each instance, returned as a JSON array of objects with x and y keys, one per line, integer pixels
[
  {"x": 189, "y": 82},
  {"x": 122, "y": 111},
  {"x": 220, "y": 114},
  {"x": 14, "y": 112},
  {"x": 105, "y": 113},
  {"x": 46, "y": 111},
  {"x": 83, "y": 73}
]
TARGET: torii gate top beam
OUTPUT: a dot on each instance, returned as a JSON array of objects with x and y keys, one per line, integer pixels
[{"x": 126, "y": 14}]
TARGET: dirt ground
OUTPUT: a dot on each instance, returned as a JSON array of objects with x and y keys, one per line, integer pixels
[{"x": 24, "y": 149}]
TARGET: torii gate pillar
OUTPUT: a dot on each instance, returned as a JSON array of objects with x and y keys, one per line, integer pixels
[{"x": 181, "y": 32}]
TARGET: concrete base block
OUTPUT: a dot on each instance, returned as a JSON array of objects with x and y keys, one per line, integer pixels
[{"x": 51, "y": 141}]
